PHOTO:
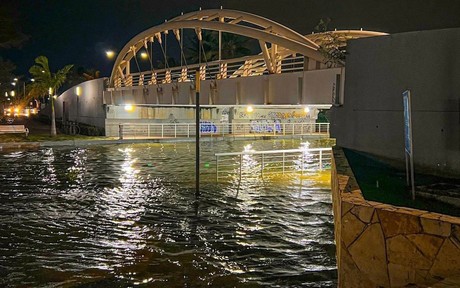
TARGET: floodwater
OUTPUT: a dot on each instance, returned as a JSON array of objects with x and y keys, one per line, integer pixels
[{"x": 126, "y": 216}]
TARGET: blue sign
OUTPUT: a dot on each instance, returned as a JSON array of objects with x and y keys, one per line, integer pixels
[{"x": 407, "y": 122}]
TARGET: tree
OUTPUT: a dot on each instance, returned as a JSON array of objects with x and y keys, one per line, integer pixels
[
  {"x": 331, "y": 45},
  {"x": 47, "y": 82}
]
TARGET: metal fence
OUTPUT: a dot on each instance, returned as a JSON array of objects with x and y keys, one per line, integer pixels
[
  {"x": 253, "y": 164},
  {"x": 210, "y": 129}
]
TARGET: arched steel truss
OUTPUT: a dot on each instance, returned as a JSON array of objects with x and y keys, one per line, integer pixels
[{"x": 246, "y": 24}]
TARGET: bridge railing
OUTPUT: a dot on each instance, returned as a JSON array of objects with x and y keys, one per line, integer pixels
[
  {"x": 239, "y": 67},
  {"x": 259, "y": 164},
  {"x": 210, "y": 129}
]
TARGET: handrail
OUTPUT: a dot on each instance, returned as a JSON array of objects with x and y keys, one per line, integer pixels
[
  {"x": 271, "y": 162},
  {"x": 272, "y": 151},
  {"x": 209, "y": 128}
]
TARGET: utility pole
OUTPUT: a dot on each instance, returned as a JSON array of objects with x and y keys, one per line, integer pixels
[{"x": 197, "y": 133}]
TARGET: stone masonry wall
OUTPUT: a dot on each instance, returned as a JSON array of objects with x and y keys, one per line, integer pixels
[{"x": 380, "y": 245}]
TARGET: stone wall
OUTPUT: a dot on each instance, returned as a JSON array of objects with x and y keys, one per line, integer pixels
[{"x": 380, "y": 245}]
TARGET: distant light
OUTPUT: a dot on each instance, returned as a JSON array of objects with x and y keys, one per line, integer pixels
[
  {"x": 50, "y": 91},
  {"x": 78, "y": 91},
  {"x": 249, "y": 109},
  {"x": 307, "y": 109},
  {"x": 33, "y": 80},
  {"x": 12, "y": 93},
  {"x": 54, "y": 96},
  {"x": 15, "y": 79},
  {"x": 6, "y": 94},
  {"x": 129, "y": 107},
  {"x": 144, "y": 55},
  {"x": 13, "y": 83},
  {"x": 110, "y": 54}
]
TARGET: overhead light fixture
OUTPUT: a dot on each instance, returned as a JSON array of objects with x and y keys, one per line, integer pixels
[
  {"x": 249, "y": 109},
  {"x": 129, "y": 107},
  {"x": 307, "y": 109}
]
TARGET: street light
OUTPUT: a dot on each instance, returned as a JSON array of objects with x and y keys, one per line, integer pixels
[{"x": 110, "y": 54}]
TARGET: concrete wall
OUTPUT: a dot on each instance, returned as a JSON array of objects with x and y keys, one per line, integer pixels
[
  {"x": 85, "y": 108},
  {"x": 379, "y": 69},
  {"x": 308, "y": 87},
  {"x": 380, "y": 245}
]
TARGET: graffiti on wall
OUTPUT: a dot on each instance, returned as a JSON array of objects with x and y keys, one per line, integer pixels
[
  {"x": 208, "y": 127},
  {"x": 265, "y": 126},
  {"x": 264, "y": 114}
]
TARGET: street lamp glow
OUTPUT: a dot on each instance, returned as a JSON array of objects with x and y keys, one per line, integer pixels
[
  {"x": 144, "y": 55},
  {"x": 249, "y": 109},
  {"x": 129, "y": 107},
  {"x": 15, "y": 79},
  {"x": 110, "y": 54},
  {"x": 13, "y": 83},
  {"x": 33, "y": 80},
  {"x": 12, "y": 93},
  {"x": 307, "y": 109}
]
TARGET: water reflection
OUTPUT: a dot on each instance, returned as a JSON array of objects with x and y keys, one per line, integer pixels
[{"x": 104, "y": 217}]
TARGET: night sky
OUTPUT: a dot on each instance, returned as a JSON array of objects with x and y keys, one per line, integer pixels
[{"x": 79, "y": 31}]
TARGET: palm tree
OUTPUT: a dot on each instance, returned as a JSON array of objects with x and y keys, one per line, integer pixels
[{"x": 47, "y": 82}]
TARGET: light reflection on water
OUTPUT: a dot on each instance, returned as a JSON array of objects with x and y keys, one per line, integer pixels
[{"x": 126, "y": 215}]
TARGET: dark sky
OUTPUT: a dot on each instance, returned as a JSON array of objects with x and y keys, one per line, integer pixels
[{"x": 79, "y": 31}]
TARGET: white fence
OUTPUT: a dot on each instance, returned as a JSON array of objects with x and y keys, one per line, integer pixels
[
  {"x": 253, "y": 164},
  {"x": 210, "y": 129}
]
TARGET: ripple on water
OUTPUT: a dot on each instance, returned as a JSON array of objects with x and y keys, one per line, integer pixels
[{"x": 126, "y": 215}]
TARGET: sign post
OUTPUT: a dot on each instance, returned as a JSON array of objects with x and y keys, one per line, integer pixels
[
  {"x": 408, "y": 151},
  {"x": 197, "y": 133}
]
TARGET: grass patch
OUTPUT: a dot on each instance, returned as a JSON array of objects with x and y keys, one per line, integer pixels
[{"x": 383, "y": 183}]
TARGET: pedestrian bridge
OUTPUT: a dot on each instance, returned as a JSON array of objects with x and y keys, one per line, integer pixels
[{"x": 289, "y": 79}]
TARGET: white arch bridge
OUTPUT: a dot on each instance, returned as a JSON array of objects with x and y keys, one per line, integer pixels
[{"x": 291, "y": 70}]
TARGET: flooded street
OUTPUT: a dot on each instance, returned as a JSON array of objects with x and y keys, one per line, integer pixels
[{"x": 126, "y": 215}]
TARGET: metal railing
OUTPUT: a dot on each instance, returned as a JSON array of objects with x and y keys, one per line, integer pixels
[
  {"x": 255, "y": 164},
  {"x": 239, "y": 67},
  {"x": 210, "y": 129}
]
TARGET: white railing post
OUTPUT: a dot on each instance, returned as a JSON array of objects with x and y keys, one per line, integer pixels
[
  {"x": 320, "y": 160},
  {"x": 241, "y": 164},
  {"x": 188, "y": 131},
  {"x": 217, "y": 167},
  {"x": 262, "y": 167},
  {"x": 148, "y": 130},
  {"x": 283, "y": 163},
  {"x": 175, "y": 130},
  {"x": 162, "y": 130}
]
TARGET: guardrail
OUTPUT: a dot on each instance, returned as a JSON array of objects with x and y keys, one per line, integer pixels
[
  {"x": 209, "y": 129},
  {"x": 254, "y": 164}
]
